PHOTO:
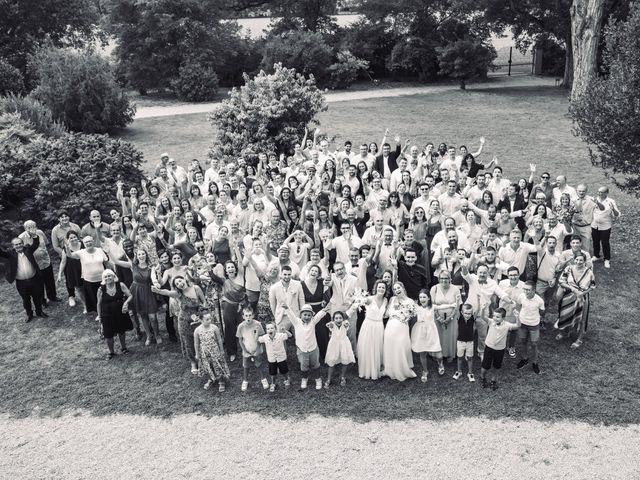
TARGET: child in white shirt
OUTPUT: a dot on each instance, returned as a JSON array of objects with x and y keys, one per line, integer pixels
[
  {"x": 496, "y": 344},
  {"x": 274, "y": 343}
]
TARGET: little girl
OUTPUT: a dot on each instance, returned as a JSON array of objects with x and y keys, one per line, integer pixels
[
  {"x": 339, "y": 349},
  {"x": 424, "y": 336},
  {"x": 210, "y": 353}
]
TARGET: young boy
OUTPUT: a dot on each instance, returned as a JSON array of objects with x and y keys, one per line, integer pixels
[
  {"x": 276, "y": 354},
  {"x": 466, "y": 323},
  {"x": 531, "y": 308},
  {"x": 248, "y": 333},
  {"x": 496, "y": 344},
  {"x": 307, "y": 344},
  {"x": 514, "y": 288}
]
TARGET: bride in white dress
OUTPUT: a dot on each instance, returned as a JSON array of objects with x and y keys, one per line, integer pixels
[
  {"x": 398, "y": 360},
  {"x": 371, "y": 337}
]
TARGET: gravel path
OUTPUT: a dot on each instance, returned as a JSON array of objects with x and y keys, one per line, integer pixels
[
  {"x": 494, "y": 82},
  {"x": 255, "y": 446}
]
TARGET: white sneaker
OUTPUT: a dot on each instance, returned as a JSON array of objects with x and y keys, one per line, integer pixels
[
  {"x": 272, "y": 387},
  {"x": 457, "y": 375},
  {"x": 72, "y": 302},
  {"x": 318, "y": 384},
  {"x": 471, "y": 377},
  {"x": 607, "y": 264},
  {"x": 244, "y": 386},
  {"x": 303, "y": 384},
  {"x": 595, "y": 259},
  {"x": 232, "y": 358},
  {"x": 158, "y": 340},
  {"x": 512, "y": 352},
  {"x": 265, "y": 384},
  {"x": 287, "y": 383}
]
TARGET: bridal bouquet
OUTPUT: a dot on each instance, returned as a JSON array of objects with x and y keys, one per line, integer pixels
[
  {"x": 406, "y": 311},
  {"x": 359, "y": 299}
]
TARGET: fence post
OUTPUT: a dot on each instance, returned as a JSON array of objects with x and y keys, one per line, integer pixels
[{"x": 510, "y": 53}]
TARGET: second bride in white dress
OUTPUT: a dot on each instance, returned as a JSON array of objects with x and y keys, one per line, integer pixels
[{"x": 398, "y": 360}]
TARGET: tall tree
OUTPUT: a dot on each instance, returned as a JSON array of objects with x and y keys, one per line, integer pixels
[
  {"x": 27, "y": 24},
  {"x": 586, "y": 19}
]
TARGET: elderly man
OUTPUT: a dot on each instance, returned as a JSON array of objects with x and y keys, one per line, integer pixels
[
  {"x": 283, "y": 260},
  {"x": 96, "y": 228},
  {"x": 24, "y": 270},
  {"x": 604, "y": 214},
  {"x": 583, "y": 217}
]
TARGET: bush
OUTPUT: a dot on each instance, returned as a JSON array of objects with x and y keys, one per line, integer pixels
[
  {"x": 76, "y": 172},
  {"x": 346, "y": 69},
  {"x": 35, "y": 113},
  {"x": 607, "y": 115},
  {"x": 196, "y": 82},
  {"x": 11, "y": 80},
  {"x": 465, "y": 60},
  {"x": 268, "y": 113},
  {"x": 306, "y": 52},
  {"x": 80, "y": 89}
]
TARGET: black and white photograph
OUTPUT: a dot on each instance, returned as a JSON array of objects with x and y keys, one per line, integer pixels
[{"x": 301, "y": 239}]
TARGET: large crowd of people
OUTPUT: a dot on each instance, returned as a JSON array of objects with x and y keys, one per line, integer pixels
[{"x": 356, "y": 258}]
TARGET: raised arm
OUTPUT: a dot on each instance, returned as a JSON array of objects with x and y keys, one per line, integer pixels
[{"x": 479, "y": 151}]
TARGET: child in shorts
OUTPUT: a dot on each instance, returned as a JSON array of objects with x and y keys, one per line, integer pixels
[
  {"x": 274, "y": 344},
  {"x": 496, "y": 344},
  {"x": 248, "y": 333},
  {"x": 466, "y": 324}
]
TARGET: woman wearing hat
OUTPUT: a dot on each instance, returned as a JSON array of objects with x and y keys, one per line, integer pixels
[{"x": 113, "y": 299}]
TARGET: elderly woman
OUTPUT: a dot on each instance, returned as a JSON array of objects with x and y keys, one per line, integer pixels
[
  {"x": 576, "y": 282},
  {"x": 92, "y": 262},
  {"x": 446, "y": 300},
  {"x": 41, "y": 256},
  {"x": 113, "y": 306}
]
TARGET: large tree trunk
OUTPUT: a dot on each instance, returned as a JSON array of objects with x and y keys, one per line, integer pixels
[
  {"x": 586, "y": 18},
  {"x": 567, "y": 81}
]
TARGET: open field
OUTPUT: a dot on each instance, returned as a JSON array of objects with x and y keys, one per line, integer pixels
[{"x": 578, "y": 419}]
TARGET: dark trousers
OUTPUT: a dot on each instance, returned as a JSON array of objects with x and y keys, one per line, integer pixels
[
  {"x": 48, "y": 283},
  {"x": 231, "y": 318},
  {"x": 601, "y": 238},
  {"x": 91, "y": 295},
  {"x": 30, "y": 290}
]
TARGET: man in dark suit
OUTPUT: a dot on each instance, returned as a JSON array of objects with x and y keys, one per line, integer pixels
[
  {"x": 514, "y": 203},
  {"x": 387, "y": 161},
  {"x": 24, "y": 270}
]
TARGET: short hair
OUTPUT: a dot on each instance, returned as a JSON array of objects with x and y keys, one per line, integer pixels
[
  {"x": 531, "y": 283},
  {"x": 410, "y": 250},
  {"x": 348, "y": 142},
  {"x": 467, "y": 306},
  {"x": 286, "y": 268},
  {"x": 501, "y": 311},
  {"x": 248, "y": 308},
  {"x": 576, "y": 237},
  {"x": 513, "y": 269},
  {"x": 499, "y": 168}
]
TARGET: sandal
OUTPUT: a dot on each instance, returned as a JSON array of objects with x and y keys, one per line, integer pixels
[
  {"x": 194, "y": 370},
  {"x": 559, "y": 337},
  {"x": 441, "y": 370},
  {"x": 576, "y": 344}
]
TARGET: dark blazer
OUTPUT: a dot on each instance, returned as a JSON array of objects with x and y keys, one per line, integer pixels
[
  {"x": 393, "y": 161},
  {"x": 519, "y": 204},
  {"x": 12, "y": 256}
]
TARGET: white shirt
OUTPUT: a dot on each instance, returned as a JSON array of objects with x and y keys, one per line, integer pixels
[
  {"x": 275, "y": 346},
  {"x": 557, "y": 193},
  {"x": 211, "y": 232},
  {"x": 480, "y": 294},
  {"x": 530, "y": 311},
  {"x": 343, "y": 247},
  {"x": 603, "y": 219},
  {"x": 25, "y": 269},
  {"x": 306, "y": 332},
  {"x": 516, "y": 258},
  {"x": 449, "y": 204}
]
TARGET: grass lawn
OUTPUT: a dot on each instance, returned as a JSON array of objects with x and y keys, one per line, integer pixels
[{"x": 56, "y": 366}]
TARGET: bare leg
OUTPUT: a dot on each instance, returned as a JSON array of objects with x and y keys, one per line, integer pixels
[
  {"x": 123, "y": 342},
  {"x": 423, "y": 362},
  {"x": 146, "y": 327}
]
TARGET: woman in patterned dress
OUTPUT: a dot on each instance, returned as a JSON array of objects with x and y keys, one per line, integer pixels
[{"x": 189, "y": 298}]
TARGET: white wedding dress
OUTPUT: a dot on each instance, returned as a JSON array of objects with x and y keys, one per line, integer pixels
[{"x": 398, "y": 360}]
